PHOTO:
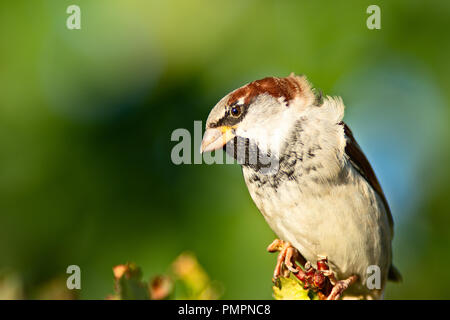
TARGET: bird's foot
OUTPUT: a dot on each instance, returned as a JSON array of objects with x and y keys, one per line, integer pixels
[
  {"x": 320, "y": 280},
  {"x": 323, "y": 281},
  {"x": 340, "y": 286},
  {"x": 286, "y": 261}
]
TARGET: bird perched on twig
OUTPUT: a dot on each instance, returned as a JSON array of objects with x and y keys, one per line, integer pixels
[{"x": 311, "y": 181}]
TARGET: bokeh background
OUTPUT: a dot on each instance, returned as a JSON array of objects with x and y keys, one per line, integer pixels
[{"x": 86, "y": 118}]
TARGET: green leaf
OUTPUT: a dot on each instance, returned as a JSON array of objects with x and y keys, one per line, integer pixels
[{"x": 290, "y": 289}]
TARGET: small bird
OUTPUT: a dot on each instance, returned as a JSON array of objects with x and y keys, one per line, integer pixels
[{"x": 310, "y": 180}]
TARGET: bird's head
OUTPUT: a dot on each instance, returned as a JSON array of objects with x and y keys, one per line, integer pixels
[{"x": 261, "y": 112}]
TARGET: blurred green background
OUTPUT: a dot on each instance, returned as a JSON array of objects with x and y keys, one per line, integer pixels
[{"x": 86, "y": 118}]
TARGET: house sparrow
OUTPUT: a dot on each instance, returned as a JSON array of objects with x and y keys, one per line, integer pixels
[{"x": 310, "y": 180}]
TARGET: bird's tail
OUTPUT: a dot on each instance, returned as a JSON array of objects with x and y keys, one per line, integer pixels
[{"x": 394, "y": 274}]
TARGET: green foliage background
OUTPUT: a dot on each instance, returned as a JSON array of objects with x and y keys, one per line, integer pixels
[{"x": 86, "y": 118}]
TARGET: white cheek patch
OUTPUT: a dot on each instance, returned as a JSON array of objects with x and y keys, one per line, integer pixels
[
  {"x": 281, "y": 128},
  {"x": 269, "y": 122}
]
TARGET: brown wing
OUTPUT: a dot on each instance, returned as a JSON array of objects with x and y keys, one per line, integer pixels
[{"x": 360, "y": 163}]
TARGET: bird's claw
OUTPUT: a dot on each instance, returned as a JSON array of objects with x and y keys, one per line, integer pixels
[
  {"x": 320, "y": 280},
  {"x": 286, "y": 261},
  {"x": 323, "y": 281},
  {"x": 340, "y": 287}
]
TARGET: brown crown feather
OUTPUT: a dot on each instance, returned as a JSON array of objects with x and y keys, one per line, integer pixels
[{"x": 287, "y": 88}]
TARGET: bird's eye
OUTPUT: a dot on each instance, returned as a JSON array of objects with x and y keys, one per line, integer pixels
[{"x": 236, "y": 111}]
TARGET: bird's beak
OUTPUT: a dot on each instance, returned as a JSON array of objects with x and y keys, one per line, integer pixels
[{"x": 216, "y": 138}]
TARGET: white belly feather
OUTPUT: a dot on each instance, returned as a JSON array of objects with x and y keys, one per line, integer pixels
[{"x": 344, "y": 221}]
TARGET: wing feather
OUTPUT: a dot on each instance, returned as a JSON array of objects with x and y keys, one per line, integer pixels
[{"x": 362, "y": 165}]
